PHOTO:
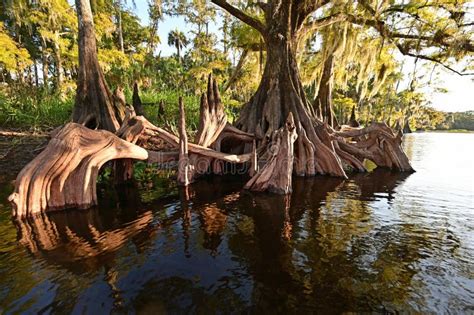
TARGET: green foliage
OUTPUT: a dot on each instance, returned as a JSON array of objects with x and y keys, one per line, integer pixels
[
  {"x": 12, "y": 56},
  {"x": 463, "y": 120},
  {"x": 33, "y": 110},
  {"x": 366, "y": 74},
  {"x": 153, "y": 97}
]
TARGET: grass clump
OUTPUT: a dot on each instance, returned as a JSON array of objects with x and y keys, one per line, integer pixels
[{"x": 34, "y": 109}]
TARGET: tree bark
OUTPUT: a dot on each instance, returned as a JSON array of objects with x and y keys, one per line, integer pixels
[
  {"x": 119, "y": 26},
  {"x": 323, "y": 102},
  {"x": 94, "y": 106},
  {"x": 238, "y": 68},
  {"x": 184, "y": 167},
  {"x": 281, "y": 92},
  {"x": 59, "y": 66},
  {"x": 352, "y": 120},
  {"x": 276, "y": 175},
  {"x": 45, "y": 63},
  {"x": 64, "y": 175},
  {"x": 136, "y": 101},
  {"x": 36, "y": 73}
]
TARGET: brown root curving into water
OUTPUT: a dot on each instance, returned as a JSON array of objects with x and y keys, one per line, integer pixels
[{"x": 64, "y": 174}]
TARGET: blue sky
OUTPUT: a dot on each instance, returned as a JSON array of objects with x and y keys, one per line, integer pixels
[{"x": 461, "y": 88}]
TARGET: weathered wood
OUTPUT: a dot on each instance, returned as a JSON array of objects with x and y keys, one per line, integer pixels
[
  {"x": 376, "y": 142},
  {"x": 184, "y": 168},
  {"x": 212, "y": 118},
  {"x": 64, "y": 175},
  {"x": 139, "y": 126},
  {"x": 275, "y": 176},
  {"x": 136, "y": 101}
]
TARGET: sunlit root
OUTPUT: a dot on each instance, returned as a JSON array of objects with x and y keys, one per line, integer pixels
[
  {"x": 213, "y": 130},
  {"x": 64, "y": 175},
  {"x": 140, "y": 127},
  {"x": 376, "y": 142},
  {"x": 184, "y": 168},
  {"x": 275, "y": 176},
  {"x": 204, "y": 156}
]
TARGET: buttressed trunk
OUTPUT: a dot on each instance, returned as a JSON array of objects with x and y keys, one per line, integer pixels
[
  {"x": 94, "y": 106},
  {"x": 281, "y": 92}
]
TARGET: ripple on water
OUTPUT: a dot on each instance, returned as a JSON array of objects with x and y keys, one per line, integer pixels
[{"x": 378, "y": 242}]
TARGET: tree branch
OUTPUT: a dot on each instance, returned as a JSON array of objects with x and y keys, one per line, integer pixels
[
  {"x": 405, "y": 52},
  {"x": 247, "y": 19},
  {"x": 384, "y": 31},
  {"x": 319, "y": 23},
  {"x": 305, "y": 8}
]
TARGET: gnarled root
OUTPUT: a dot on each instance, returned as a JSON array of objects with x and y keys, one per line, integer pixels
[
  {"x": 275, "y": 176},
  {"x": 64, "y": 175},
  {"x": 376, "y": 142},
  {"x": 184, "y": 168}
]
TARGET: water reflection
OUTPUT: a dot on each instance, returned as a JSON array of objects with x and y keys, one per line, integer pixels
[
  {"x": 369, "y": 243},
  {"x": 81, "y": 238}
]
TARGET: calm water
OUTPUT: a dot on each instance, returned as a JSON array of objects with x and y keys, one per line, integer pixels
[{"x": 383, "y": 241}]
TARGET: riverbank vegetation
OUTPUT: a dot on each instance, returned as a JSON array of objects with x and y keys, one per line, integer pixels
[{"x": 39, "y": 63}]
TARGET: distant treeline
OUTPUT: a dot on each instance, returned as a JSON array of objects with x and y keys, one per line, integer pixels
[{"x": 458, "y": 120}]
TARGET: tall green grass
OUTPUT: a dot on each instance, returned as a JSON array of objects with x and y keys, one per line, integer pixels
[
  {"x": 151, "y": 98},
  {"x": 33, "y": 110},
  {"x": 38, "y": 110}
]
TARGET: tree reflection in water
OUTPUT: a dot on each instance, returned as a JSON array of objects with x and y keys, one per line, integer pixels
[{"x": 324, "y": 248}]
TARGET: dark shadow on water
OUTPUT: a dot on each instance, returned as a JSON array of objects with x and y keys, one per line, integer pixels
[{"x": 316, "y": 250}]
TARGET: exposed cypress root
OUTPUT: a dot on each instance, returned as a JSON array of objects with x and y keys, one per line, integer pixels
[
  {"x": 378, "y": 143},
  {"x": 64, "y": 175},
  {"x": 275, "y": 176},
  {"x": 140, "y": 127},
  {"x": 213, "y": 130},
  {"x": 184, "y": 168}
]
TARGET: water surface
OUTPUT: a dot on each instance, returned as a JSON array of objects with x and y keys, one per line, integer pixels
[{"x": 376, "y": 242}]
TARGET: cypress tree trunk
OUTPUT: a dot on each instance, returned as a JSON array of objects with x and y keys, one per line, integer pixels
[
  {"x": 59, "y": 66},
  {"x": 94, "y": 106},
  {"x": 323, "y": 103},
  {"x": 318, "y": 147},
  {"x": 281, "y": 92},
  {"x": 44, "y": 61},
  {"x": 119, "y": 27},
  {"x": 35, "y": 64}
]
